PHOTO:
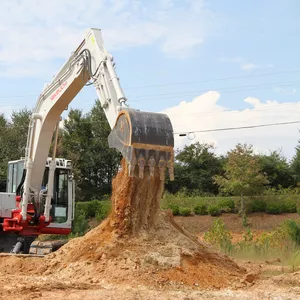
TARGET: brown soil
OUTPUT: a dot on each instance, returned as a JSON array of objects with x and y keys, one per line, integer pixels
[
  {"x": 137, "y": 245},
  {"x": 258, "y": 222},
  {"x": 140, "y": 243}
]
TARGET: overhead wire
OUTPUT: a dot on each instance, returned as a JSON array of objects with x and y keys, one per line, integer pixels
[
  {"x": 181, "y": 83},
  {"x": 236, "y": 128}
]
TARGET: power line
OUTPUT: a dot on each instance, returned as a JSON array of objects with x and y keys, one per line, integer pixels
[
  {"x": 223, "y": 90},
  {"x": 235, "y": 128},
  {"x": 238, "y": 111},
  {"x": 216, "y": 79},
  {"x": 182, "y": 83}
]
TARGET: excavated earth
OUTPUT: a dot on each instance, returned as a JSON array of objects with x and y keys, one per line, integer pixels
[{"x": 138, "y": 252}]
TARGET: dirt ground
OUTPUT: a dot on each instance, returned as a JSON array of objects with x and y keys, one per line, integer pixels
[
  {"x": 20, "y": 285},
  {"x": 141, "y": 252},
  {"x": 257, "y": 222}
]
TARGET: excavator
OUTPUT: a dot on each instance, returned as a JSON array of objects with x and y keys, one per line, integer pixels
[{"x": 40, "y": 195}]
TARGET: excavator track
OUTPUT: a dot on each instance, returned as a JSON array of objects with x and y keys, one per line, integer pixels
[{"x": 146, "y": 141}]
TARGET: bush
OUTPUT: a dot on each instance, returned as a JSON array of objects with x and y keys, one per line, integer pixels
[
  {"x": 274, "y": 208},
  {"x": 226, "y": 205},
  {"x": 258, "y": 205},
  {"x": 214, "y": 210},
  {"x": 294, "y": 231},
  {"x": 174, "y": 208},
  {"x": 200, "y": 209},
  {"x": 298, "y": 211},
  {"x": 289, "y": 206},
  {"x": 103, "y": 210},
  {"x": 219, "y": 236},
  {"x": 185, "y": 211},
  {"x": 80, "y": 223}
]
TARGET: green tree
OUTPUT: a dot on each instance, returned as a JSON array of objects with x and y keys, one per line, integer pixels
[
  {"x": 243, "y": 174},
  {"x": 85, "y": 142},
  {"x": 18, "y": 131},
  {"x": 194, "y": 169},
  {"x": 277, "y": 169},
  {"x": 3, "y": 151},
  {"x": 13, "y": 136},
  {"x": 295, "y": 165}
]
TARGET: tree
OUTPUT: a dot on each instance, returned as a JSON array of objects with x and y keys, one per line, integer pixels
[
  {"x": 194, "y": 169},
  {"x": 85, "y": 142},
  {"x": 13, "y": 136},
  {"x": 3, "y": 152},
  {"x": 295, "y": 165},
  {"x": 243, "y": 174},
  {"x": 278, "y": 171},
  {"x": 18, "y": 132}
]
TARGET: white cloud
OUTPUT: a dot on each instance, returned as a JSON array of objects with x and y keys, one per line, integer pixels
[
  {"x": 249, "y": 66},
  {"x": 34, "y": 32},
  {"x": 204, "y": 113}
]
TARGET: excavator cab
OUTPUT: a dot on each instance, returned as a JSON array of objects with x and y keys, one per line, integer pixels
[
  {"x": 146, "y": 141},
  {"x": 63, "y": 188}
]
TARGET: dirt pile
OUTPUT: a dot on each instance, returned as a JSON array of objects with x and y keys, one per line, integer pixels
[{"x": 140, "y": 243}]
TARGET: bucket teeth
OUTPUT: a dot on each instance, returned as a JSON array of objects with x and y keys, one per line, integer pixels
[
  {"x": 162, "y": 168},
  {"x": 131, "y": 166},
  {"x": 151, "y": 164},
  {"x": 171, "y": 170},
  {"x": 141, "y": 164}
]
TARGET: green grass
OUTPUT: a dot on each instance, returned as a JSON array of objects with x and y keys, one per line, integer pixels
[{"x": 270, "y": 204}]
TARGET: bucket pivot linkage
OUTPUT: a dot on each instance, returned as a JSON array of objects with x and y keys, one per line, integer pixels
[{"x": 146, "y": 141}]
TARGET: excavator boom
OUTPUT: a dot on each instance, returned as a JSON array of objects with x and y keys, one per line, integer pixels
[{"x": 145, "y": 139}]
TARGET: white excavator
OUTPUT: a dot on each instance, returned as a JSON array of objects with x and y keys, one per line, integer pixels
[{"x": 40, "y": 189}]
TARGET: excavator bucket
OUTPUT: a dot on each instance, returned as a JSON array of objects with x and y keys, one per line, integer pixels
[{"x": 146, "y": 142}]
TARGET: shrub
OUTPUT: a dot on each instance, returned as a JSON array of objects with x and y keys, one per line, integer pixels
[
  {"x": 293, "y": 230},
  {"x": 80, "y": 223},
  {"x": 214, "y": 210},
  {"x": 200, "y": 209},
  {"x": 298, "y": 211},
  {"x": 174, "y": 208},
  {"x": 219, "y": 236},
  {"x": 274, "y": 208},
  {"x": 226, "y": 205},
  {"x": 258, "y": 205},
  {"x": 93, "y": 207},
  {"x": 103, "y": 210},
  {"x": 184, "y": 211},
  {"x": 289, "y": 206}
]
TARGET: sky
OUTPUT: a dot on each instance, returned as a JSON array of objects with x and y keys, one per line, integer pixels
[{"x": 208, "y": 64}]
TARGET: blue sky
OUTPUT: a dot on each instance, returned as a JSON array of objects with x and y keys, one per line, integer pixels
[{"x": 163, "y": 42}]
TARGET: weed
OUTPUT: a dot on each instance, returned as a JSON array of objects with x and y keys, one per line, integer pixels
[{"x": 219, "y": 236}]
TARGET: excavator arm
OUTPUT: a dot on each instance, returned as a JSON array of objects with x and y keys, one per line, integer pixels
[{"x": 144, "y": 139}]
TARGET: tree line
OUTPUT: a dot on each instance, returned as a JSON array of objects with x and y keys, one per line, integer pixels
[{"x": 198, "y": 169}]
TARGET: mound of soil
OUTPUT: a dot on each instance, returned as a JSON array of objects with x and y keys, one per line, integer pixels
[{"x": 140, "y": 243}]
